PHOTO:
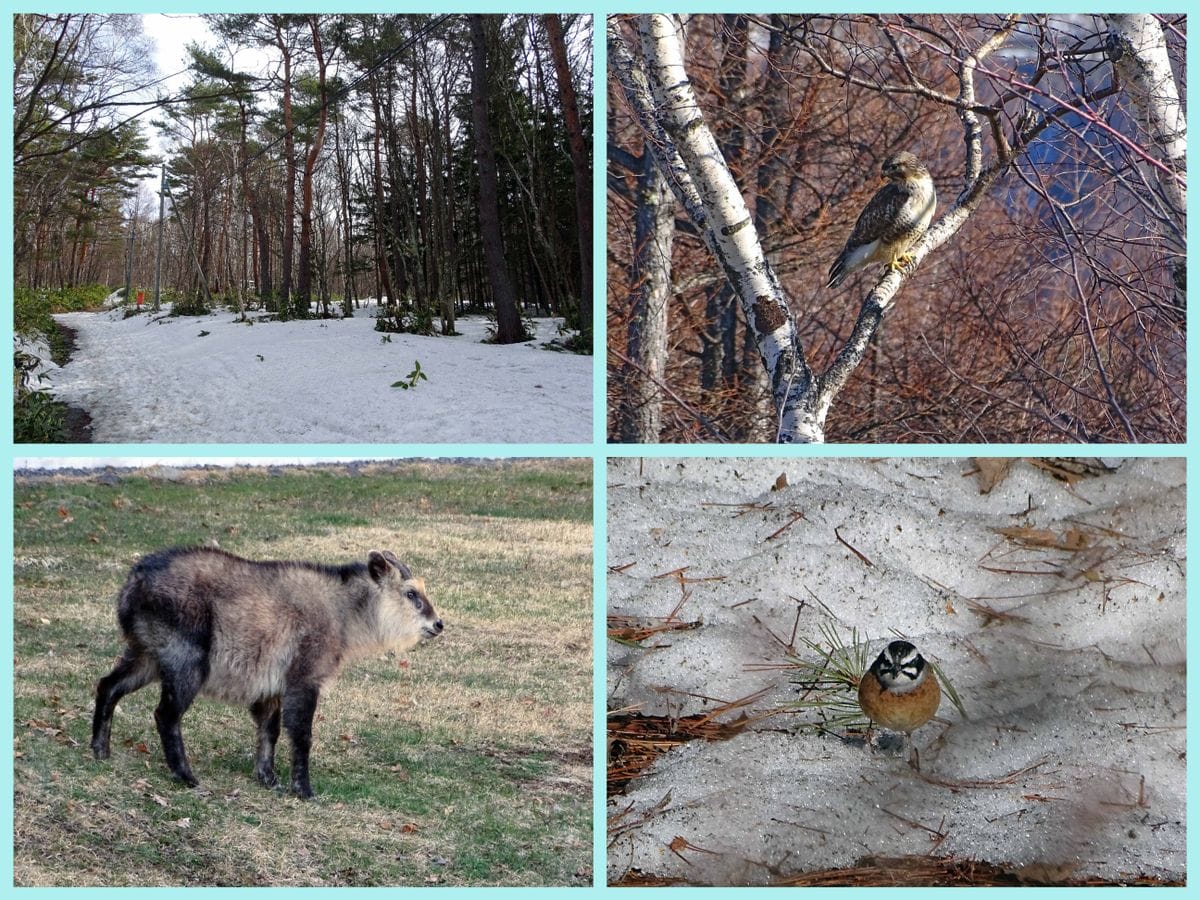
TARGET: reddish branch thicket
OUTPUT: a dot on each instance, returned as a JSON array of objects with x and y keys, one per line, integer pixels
[{"x": 1055, "y": 313}]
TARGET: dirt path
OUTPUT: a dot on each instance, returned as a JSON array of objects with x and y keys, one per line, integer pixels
[{"x": 78, "y": 419}]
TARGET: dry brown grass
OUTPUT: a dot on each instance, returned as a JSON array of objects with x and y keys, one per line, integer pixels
[{"x": 467, "y": 761}]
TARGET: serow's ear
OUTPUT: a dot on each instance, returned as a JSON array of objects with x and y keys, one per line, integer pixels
[
  {"x": 378, "y": 565},
  {"x": 405, "y": 571}
]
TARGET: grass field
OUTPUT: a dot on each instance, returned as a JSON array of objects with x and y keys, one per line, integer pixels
[{"x": 468, "y": 762}]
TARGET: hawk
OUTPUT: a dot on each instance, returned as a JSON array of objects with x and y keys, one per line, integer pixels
[{"x": 892, "y": 222}]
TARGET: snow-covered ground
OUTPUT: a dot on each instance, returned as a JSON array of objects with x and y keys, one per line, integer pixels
[
  {"x": 1056, "y": 610},
  {"x": 38, "y": 366},
  {"x": 158, "y": 379}
]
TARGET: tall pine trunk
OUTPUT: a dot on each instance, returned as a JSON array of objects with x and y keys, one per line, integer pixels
[
  {"x": 580, "y": 165},
  {"x": 304, "y": 276},
  {"x": 382, "y": 245},
  {"x": 289, "y": 192},
  {"x": 254, "y": 204},
  {"x": 508, "y": 319}
]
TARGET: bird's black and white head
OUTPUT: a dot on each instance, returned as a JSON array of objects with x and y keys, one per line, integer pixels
[
  {"x": 903, "y": 166},
  {"x": 900, "y": 668}
]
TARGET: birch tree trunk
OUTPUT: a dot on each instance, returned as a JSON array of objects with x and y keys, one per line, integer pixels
[{"x": 1138, "y": 50}]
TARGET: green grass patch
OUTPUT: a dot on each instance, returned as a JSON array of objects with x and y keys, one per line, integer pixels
[
  {"x": 39, "y": 419},
  {"x": 33, "y": 308},
  {"x": 466, "y": 762}
]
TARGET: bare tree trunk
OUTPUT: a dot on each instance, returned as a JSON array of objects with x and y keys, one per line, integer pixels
[
  {"x": 719, "y": 358},
  {"x": 304, "y": 277},
  {"x": 253, "y": 204},
  {"x": 580, "y": 165},
  {"x": 451, "y": 211},
  {"x": 641, "y": 418},
  {"x": 685, "y": 146},
  {"x": 1139, "y": 53},
  {"x": 439, "y": 167},
  {"x": 289, "y": 191},
  {"x": 425, "y": 292},
  {"x": 381, "y": 244},
  {"x": 508, "y": 320},
  {"x": 342, "y": 155}
]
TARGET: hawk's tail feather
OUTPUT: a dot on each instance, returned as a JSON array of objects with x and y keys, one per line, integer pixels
[{"x": 837, "y": 272}]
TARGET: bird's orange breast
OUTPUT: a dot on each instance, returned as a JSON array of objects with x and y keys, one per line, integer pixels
[{"x": 899, "y": 712}]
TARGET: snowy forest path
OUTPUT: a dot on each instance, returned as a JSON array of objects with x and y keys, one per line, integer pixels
[{"x": 213, "y": 379}]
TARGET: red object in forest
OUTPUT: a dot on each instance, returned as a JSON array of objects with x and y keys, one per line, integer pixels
[{"x": 141, "y": 297}]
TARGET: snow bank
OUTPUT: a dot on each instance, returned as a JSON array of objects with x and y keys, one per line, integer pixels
[
  {"x": 1069, "y": 658},
  {"x": 39, "y": 367},
  {"x": 213, "y": 379}
]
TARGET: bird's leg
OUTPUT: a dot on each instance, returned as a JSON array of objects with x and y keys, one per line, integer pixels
[
  {"x": 914, "y": 757},
  {"x": 902, "y": 263}
]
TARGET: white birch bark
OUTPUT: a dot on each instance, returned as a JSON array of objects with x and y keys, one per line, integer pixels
[{"x": 1138, "y": 50}]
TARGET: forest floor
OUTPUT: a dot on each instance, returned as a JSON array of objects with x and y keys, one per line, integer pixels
[
  {"x": 213, "y": 379},
  {"x": 1052, "y": 597}
]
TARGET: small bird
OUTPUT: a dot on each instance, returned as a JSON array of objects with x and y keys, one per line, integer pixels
[
  {"x": 899, "y": 692},
  {"x": 892, "y": 222}
]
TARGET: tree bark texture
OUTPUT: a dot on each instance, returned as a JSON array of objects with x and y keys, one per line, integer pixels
[
  {"x": 289, "y": 151},
  {"x": 509, "y": 329},
  {"x": 641, "y": 419},
  {"x": 1138, "y": 49},
  {"x": 304, "y": 276},
  {"x": 580, "y": 163}
]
